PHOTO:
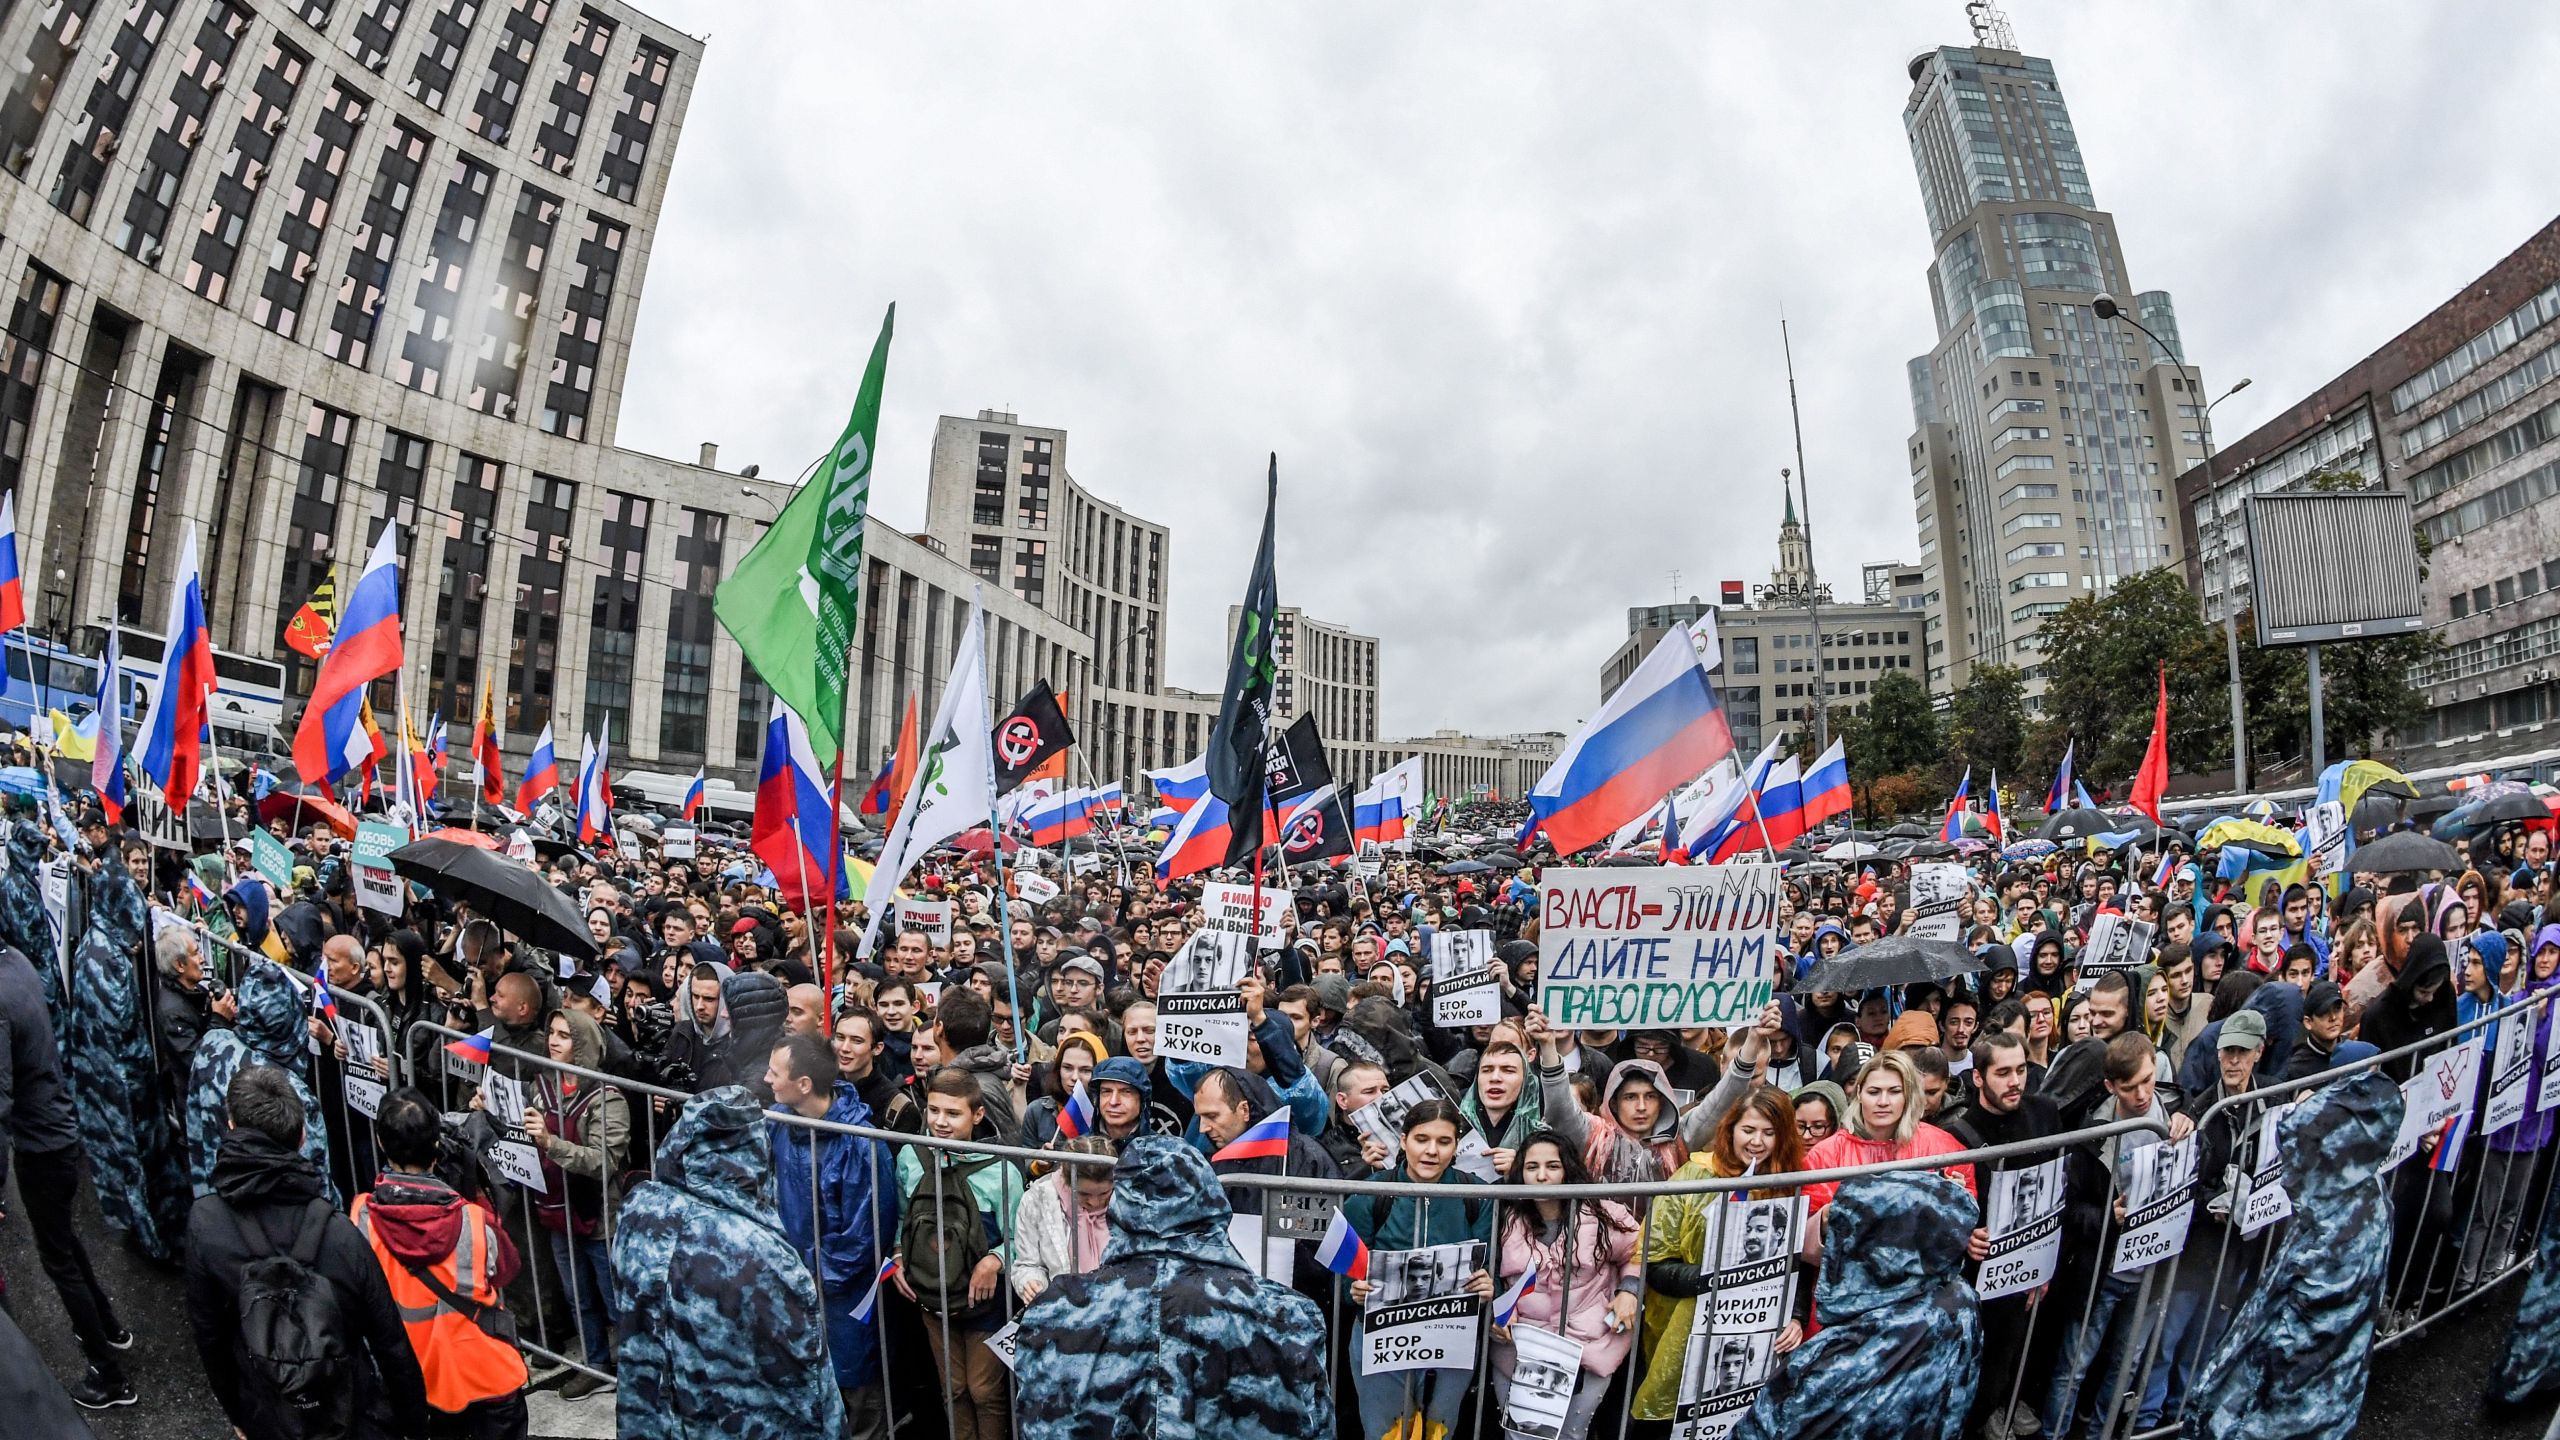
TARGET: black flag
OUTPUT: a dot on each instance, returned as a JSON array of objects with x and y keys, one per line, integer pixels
[
  {"x": 1315, "y": 823},
  {"x": 1036, "y": 730},
  {"x": 1238, "y": 772}
]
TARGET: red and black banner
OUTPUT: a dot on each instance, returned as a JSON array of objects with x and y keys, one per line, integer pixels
[{"x": 1034, "y": 731}]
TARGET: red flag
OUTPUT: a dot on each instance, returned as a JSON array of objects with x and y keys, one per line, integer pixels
[
  {"x": 313, "y": 626},
  {"x": 902, "y": 766},
  {"x": 485, "y": 755},
  {"x": 2152, "y": 780}
]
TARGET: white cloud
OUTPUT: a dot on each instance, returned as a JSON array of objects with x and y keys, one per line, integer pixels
[{"x": 1501, "y": 282}]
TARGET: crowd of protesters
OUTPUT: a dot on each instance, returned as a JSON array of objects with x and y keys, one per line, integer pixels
[{"x": 715, "y": 1249}]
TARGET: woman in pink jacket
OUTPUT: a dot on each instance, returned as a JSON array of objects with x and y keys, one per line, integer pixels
[{"x": 1588, "y": 1276}]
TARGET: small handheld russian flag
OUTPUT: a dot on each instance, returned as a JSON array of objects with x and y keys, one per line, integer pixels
[
  {"x": 871, "y": 1299},
  {"x": 2168, "y": 870},
  {"x": 202, "y": 892},
  {"x": 324, "y": 1002},
  {"x": 1267, "y": 1138},
  {"x": 1076, "y": 1116},
  {"x": 1343, "y": 1251},
  {"x": 1507, "y": 1304},
  {"x": 474, "y": 1048},
  {"x": 2448, "y": 1156}
]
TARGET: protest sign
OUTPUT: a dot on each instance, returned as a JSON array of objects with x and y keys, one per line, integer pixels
[
  {"x": 364, "y": 1094},
  {"x": 161, "y": 823},
  {"x": 1418, "y": 1315},
  {"x": 2025, "y": 1222},
  {"x": 1271, "y": 1256},
  {"x": 2116, "y": 943},
  {"x": 1199, "y": 1010},
  {"x": 365, "y": 1089},
  {"x": 57, "y": 908},
  {"x": 1230, "y": 908},
  {"x": 2442, "y": 1088},
  {"x": 520, "y": 846},
  {"x": 2158, "y": 1186},
  {"x": 1545, "y": 1367},
  {"x": 505, "y": 1101},
  {"x": 2510, "y": 1073},
  {"x": 679, "y": 842},
  {"x": 2324, "y": 830},
  {"x": 1037, "y": 889},
  {"x": 369, "y": 865},
  {"x": 1937, "y": 902},
  {"x": 272, "y": 860},
  {"x": 1005, "y": 1341},
  {"x": 933, "y": 916},
  {"x": 2550, "y": 1097},
  {"x": 515, "y": 1160},
  {"x": 1466, "y": 989},
  {"x": 1666, "y": 948},
  {"x": 1734, "y": 1330},
  {"x": 2264, "y": 1200},
  {"x": 626, "y": 843},
  {"x": 1382, "y": 1119},
  {"x": 930, "y": 991}
]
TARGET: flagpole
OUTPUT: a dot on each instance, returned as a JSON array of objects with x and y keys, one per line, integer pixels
[{"x": 995, "y": 849}]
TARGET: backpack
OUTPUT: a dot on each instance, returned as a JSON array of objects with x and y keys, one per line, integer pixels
[
  {"x": 292, "y": 1334},
  {"x": 941, "y": 1239}
]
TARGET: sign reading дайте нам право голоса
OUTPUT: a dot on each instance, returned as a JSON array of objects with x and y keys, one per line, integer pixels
[{"x": 1668, "y": 948}]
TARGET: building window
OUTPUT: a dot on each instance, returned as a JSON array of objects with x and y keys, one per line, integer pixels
[
  {"x": 506, "y": 329},
  {"x": 183, "y": 118},
  {"x": 244, "y": 170},
  {"x": 366, "y": 287},
  {"x": 555, "y": 140},
  {"x": 432, "y": 78},
  {"x": 40, "y": 71},
  {"x": 986, "y": 501},
  {"x": 1031, "y": 571},
  {"x": 311, "y": 523},
  {"x": 755, "y": 707},
  {"x": 172, "y": 407},
  {"x": 402, "y": 482},
  {"x": 685, "y": 709},
  {"x": 22, "y": 357},
  {"x": 613, "y": 633},
  {"x": 986, "y": 556},
  {"x": 426, "y": 352},
  {"x": 296, "y": 252},
  {"x": 462, "y": 588},
  {"x": 579, "y": 348},
  {"x": 626, "y": 150},
  {"x": 533, "y": 655},
  {"x": 368, "y": 41},
  {"x": 493, "y": 115},
  {"x": 102, "y": 123}
]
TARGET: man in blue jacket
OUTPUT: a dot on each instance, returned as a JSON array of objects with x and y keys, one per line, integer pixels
[{"x": 832, "y": 1198}]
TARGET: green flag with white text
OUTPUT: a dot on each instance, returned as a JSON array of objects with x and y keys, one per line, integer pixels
[{"x": 791, "y": 602}]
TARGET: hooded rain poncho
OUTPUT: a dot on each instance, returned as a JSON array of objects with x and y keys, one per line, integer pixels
[
  {"x": 107, "y": 1051},
  {"x": 270, "y": 1031}
]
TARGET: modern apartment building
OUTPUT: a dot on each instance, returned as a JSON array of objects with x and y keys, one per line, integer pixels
[
  {"x": 2461, "y": 410},
  {"x": 2046, "y": 441}
]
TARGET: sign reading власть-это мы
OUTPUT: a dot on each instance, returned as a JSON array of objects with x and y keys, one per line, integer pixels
[{"x": 1669, "y": 948}]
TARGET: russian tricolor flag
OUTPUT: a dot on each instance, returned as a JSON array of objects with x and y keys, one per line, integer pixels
[
  {"x": 595, "y": 788},
  {"x": 173, "y": 728},
  {"x": 332, "y": 739},
  {"x": 871, "y": 1298},
  {"x": 1182, "y": 786},
  {"x": 793, "y": 831},
  {"x": 875, "y": 800},
  {"x": 1055, "y": 819},
  {"x": 106, "y": 768},
  {"x": 1661, "y": 726},
  {"x": 693, "y": 793},
  {"x": 1199, "y": 840},
  {"x": 541, "y": 773},
  {"x": 1076, "y": 1116},
  {"x": 1773, "y": 805},
  {"x": 1991, "y": 812},
  {"x": 1826, "y": 786},
  {"x": 2055, "y": 797},
  {"x": 1952, "y": 828},
  {"x": 471, "y": 1047},
  {"x": 1110, "y": 798},
  {"x": 323, "y": 1001},
  {"x": 1369, "y": 815},
  {"x": 1507, "y": 1304},
  {"x": 1266, "y": 1139},
  {"x": 1343, "y": 1251},
  {"x": 13, "y": 590}
]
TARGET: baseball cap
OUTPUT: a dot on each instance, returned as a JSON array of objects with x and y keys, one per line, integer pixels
[{"x": 2243, "y": 1030}]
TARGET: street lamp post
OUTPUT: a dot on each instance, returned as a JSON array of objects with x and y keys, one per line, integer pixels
[{"x": 2106, "y": 308}]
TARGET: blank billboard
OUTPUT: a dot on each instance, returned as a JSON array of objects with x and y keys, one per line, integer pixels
[{"x": 2333, "y": 565}]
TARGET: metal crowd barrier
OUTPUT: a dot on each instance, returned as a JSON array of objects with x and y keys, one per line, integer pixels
[
  {"x": 350, "y": 1130},
  {"x": 2128, "y": 1365}
]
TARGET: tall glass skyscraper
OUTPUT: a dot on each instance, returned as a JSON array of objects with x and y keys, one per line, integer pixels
[{"x": 2045, "y": 440}]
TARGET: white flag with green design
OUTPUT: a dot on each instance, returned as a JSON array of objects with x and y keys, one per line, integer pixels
[{"x": 955, "y": 784}]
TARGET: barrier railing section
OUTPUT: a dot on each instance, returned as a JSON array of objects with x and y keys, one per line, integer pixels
[
  {"x": 350, "y": 1073},
  {"x": 2117, "y": 1336}
]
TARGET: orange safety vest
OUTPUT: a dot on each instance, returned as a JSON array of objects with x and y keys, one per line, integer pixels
[{"x": 463, "y": 1363}]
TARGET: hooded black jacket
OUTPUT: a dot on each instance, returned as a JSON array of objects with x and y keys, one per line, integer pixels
[
  {"x": 262, "y": 1185},
  {"x": 35, "y": 1109},
  {"x": 2398, "y": 1019}
]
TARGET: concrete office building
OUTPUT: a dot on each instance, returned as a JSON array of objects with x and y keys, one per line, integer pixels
[
  {"x": 286, "y": 274},
  {"x": 2461, "y": 410},
  {"x": 1774, "y": 673},
  {"x": 2046, "y": 441}
]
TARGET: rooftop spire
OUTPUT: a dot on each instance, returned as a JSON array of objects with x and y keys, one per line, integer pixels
[
  {"x": 1790, "y": 487},
  {"x": 1990, "y": 26}
]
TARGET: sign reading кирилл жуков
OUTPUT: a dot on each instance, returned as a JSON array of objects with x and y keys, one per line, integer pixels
[{"x": 1674, "y": 947}]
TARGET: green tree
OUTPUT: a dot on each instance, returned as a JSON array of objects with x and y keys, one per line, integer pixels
[
  {"x": 1986, "y": 728},
  {"x": 1898, "y": 731},
  {"x": 2103, "y": 658}
]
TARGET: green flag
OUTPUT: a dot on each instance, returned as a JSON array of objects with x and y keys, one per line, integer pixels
[{"x": 791, "y": 602}]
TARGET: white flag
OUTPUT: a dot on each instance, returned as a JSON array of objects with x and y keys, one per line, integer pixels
[{"x": 955, "y": 783}]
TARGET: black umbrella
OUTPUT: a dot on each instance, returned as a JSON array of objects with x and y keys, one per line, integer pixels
[
  {"x": 2378, "y": 810},
  {"x": 1893, "y": 960},
  {"x": 1628, "y": 861},
  {"x": 1930, "y": 850},
  {"x": 2077, "y": 823},
  {"x": 1501, "y": 861},
  {"x": 2401, "y": 853},
  {"x": 1465, "y": 867},
  {"x": 1907, "y": 830},
  {"x": 507, "y": 891},
  {"x": 1795, "y": 854},
  {"x": 2514, "y": 806}
]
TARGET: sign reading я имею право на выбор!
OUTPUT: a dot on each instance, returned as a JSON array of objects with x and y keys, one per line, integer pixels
[{"x": 1668, "y": 948}]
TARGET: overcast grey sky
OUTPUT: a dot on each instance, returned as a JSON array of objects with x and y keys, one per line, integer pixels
[{"x": 1501, "y": 282}]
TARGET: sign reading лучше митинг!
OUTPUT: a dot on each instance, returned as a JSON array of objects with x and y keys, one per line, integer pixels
[{"x": 1668, "y": 948}]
